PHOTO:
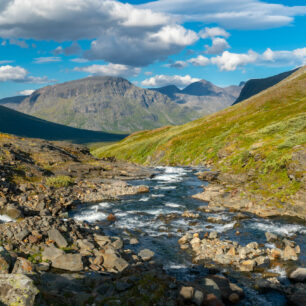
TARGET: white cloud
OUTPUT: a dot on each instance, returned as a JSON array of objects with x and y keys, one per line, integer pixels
[
  {"x": 51, "y": 59},
  {"x": 230, "y": 61},
  {"x": 163, "y": 80},
  {"x": 19, "y": 74},
  {"x": 235, "y": 14},
  {"x": 218, "y": 46},
  {"x": 143, "y": 48},
  {"x": 110, "y": 70},
  {"x": 26, "y": 92},
  {"x": 122, "y": 33},
  {"x": 199, "y": 61},
  {"x": 213, "y": 32},
  {"x": 79, "y": 60}
]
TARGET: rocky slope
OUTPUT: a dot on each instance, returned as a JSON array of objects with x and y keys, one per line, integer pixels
[
  {"x": 203, "y": 96},
  {"x": 258, "y": 145},
  {"x": 23, "y": 125},
  {"x": 47, "y": 258},
  {"x": 255, "y": 86},
  {"x": 108, "y": 104}
]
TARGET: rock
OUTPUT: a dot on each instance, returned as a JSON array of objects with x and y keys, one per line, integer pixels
[
  {"x": 146, "y": 254},
  {"x": 111, "y": 218},
  {"x": 271, "y": 237},
  {"x": 247, "y": 265},
  {"x": 22, "y": 266},
  {"x": 212, "y": 287},
  {"x": 22, "y": 234},
  {"x": 208, "y": 175},
  {"x": 288, "y": 242},
  {"x": 276, "y": 253},
  {"x": 113, "y": 262},
  {"x": 58, "y": 238},
  {"x": 50, "y": 253},
  {"x": 234, "y": 298},
  {"x": 5, "y": 261},
  {"x": 289, "y": 253},
  {"x": 143, "y": 189},
  {"x": 117, "y": 244},
  {"x": 69, "y": 262},
  {"x": 17, "y": 289},
  {"x": 298, "y": 275},
  {"x": 11, "y": 211},
  {"x": 85, "y": 245},
  {"x": 198, "y": 297},
  {"x": 187, "y": 293},
  {"x": 213, "y": 235},
  {"x": 189, "y": 214},
  {"x": 212, "y": 300},
  {"x": 134, "y": 241}
]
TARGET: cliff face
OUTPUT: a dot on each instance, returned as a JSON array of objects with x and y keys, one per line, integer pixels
[{"x": 104, "y": 104}]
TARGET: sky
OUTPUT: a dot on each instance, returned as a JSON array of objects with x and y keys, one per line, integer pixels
[{"x": 151, "y": 43}]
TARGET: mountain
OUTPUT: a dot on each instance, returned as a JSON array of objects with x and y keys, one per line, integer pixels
[
  {"x": 109, "y": 104},
  {"x": 12, "y": 100},
  {"x": 260, "y": 140},
  {"x": 255, "y": 86},
  {"x": 169, "y": 90},
  {"x": 203, "y": 97},
  {"x": 13, "y": 122}
]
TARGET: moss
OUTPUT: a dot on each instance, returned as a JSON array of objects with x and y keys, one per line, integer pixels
[{"x": 59, "y": 181}]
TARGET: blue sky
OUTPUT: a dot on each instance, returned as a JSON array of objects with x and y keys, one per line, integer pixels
[{"x": 152, "y": 44}]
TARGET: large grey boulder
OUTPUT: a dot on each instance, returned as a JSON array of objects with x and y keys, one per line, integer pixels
[
  {"x": 69, "y": 262},
  {"x": 17, "y": 289},
  {"x": 58, "y": 238}
]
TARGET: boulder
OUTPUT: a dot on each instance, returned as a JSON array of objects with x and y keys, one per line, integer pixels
[
  {"x": 187, "y": 293},
  {"x": 271, "y": 237},
  {"x": 17, "y": 289},
  {"x": 50, "y": 253},
  {"x": 289, "y": 253},
  {"x": 85, "y": 245},
  {"x": 298, "y": 275},
  {"x": 58, "y": 238},
  {"x": 22, "y": 266},
  {"x": 69, "y": 262},
  {"x": 113, "y": 262},
  {"x": 146, "y": 254},
  {"x": 22, "y": 234}
]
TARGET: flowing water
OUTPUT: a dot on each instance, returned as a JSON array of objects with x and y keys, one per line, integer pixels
[{"x": 142, "y": 217}]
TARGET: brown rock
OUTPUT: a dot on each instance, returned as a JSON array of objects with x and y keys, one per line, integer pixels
[{"x": 111, "y": 218}]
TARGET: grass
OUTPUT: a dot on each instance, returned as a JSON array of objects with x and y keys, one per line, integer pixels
[
  {"x": 59, "y": 181},
  {"x": 259, "y": 134}
]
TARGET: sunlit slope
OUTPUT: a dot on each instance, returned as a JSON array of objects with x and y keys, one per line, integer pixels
[{"x": 259, "y": 134}]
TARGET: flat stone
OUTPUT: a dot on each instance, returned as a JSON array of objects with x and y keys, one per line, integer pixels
[
  {"x": 85, "y": 245},
  {"x": 50, "y": 253},
  {"x": 22, "y": 234},
  {"x": 17, "y": 289},
  {"x": 58, "y": 238},
  {"x": 69, "y": 262},
  {"x": 146, "y": 254}
]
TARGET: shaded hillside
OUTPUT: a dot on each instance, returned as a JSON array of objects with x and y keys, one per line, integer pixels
[
  {"x": 255, "y": 86},
  {"x": 12, "y": 100},
  {"x": 13, "y": 122},
  {"x": 203, "y": 97},
  {"x": 261, "y": 139},
  {"x": 109, "y": 104}
]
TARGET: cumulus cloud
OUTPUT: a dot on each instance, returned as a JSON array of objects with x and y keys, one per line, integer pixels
[
  {"x": 235, "y": 14},
  {"x": 50, "y": 59},
  {"x": 231, "y": 61},
  {"x": 143, "y": 48},
  {"x": 213, "y": 32},
  {"x": 110, "y": 70},
  {"x": 26, "y": 92},
  {"x": 18, "y": 74},
  {"x": 163, "y": 80},
  {"x": 217, "y": 47},
  {"x": 199, "y": 61},
  {"x": 122, "y": 33}
]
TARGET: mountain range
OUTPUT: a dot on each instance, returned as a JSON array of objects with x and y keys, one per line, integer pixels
[{"x": 115, "y": 105}]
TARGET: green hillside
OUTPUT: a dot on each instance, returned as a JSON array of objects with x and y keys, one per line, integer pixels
[
  {"x": 13, "y": 122},
  {"x": 263, "y": 137}
]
